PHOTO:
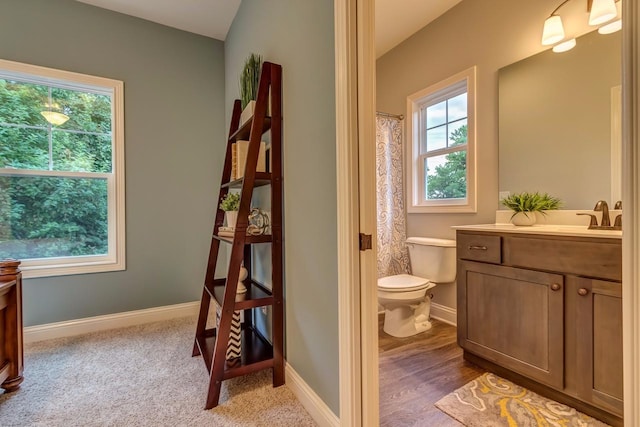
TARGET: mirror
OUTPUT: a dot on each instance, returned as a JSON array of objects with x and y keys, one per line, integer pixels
[{"x": 559, "y": 123}]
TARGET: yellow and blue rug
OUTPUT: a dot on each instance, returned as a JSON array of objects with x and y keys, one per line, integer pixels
[{"x": 491, "y": 401}]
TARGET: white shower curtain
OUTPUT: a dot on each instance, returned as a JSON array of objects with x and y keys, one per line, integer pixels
[{"x": 393, "y": 256}]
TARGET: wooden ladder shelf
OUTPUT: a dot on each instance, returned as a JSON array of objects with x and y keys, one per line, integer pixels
[{"x": 257, "y": 352}]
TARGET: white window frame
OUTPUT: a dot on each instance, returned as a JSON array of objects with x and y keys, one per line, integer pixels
[
  {"x": 115, "y": 259},
  {"x": 416, "y": 202}
]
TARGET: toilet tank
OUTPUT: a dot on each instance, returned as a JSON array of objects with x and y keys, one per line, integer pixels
[{"x": 433, "y": 259}]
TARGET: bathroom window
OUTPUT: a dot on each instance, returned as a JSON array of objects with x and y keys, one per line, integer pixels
[
  {"x": 61, "y": 171},
  {"x": 441, "y": 146}
]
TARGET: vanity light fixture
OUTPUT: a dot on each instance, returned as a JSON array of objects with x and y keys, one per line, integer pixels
[
  {"x": 600, "y": 12},
  {"x": 553, "y": 30},
  {"x": 616, "y": 24}
]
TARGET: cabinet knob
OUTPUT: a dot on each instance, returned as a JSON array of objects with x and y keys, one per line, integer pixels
[
  {"x": 555, "y": 287},
  {"x": 582, "y": 292}
]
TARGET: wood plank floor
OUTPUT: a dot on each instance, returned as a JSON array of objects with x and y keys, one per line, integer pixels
[{"x": 418, "y": 371}]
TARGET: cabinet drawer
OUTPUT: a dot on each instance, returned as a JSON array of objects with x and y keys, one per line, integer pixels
[
  {"x": 478, "y": 247},
  {"x": 600, "y": 259}
]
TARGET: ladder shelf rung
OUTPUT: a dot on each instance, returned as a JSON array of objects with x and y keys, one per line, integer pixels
[
  {"x": 262, "y": 179},
  {"x": 248, "y": 240},
  {"x": 244, "y": 131},
  {"x": 256, "y": 295},
  {"x": 256, "y": 353}
]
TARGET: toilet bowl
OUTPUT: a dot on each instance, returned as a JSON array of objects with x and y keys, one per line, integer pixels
[{"x": 405, "y": 297}]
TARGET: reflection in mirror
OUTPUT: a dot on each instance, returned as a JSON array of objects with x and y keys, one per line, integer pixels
[{"x": 559, "y": 123}]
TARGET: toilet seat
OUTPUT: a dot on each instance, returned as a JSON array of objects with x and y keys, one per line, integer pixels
[{"x": 403, "y": 283}]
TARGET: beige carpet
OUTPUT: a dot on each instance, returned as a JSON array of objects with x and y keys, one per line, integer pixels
[
  {"x": 491, "y": 401},
  {"x": 138, "y": 376}
]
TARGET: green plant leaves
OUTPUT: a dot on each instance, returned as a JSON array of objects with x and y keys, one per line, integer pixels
[
  {"x": 230, "y": 202},
  {"x": 531, "y": 202},
  {"x": 249, "y": 79}
]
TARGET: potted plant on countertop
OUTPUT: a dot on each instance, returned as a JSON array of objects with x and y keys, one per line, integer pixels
[
  {"x": 249, "y": 82},
  {"x": 230, "y": 205},
  {"x": 524, "y": 206}
]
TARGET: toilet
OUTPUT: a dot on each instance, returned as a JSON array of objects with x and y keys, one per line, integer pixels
[{"x": 405, "y": 297}]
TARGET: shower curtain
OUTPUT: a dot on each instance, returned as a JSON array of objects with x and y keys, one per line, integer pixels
[{"x": 393, "y": 256}]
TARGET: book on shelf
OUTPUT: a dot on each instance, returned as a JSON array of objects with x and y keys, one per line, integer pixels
[{"x": 239, "y": 151}]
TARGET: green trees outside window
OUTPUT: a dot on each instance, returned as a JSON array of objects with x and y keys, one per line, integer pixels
[
  {"x": 448, "y": 180},
  {"x": 53, "y": 178}
]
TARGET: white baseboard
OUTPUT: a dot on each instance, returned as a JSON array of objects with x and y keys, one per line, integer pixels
[
  {"x": 110, "y": 321},
  {"x": 444, "y": 314},
  {"x": 315, "y": 406}
]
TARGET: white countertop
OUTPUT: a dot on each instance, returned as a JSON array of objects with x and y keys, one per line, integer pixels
[{"x": 547, "y": 229}]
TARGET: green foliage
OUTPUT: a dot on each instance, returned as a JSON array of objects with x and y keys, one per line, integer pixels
[
  {"x": 230, "y": 202},
  {"x": 53, "y": 216},
  {"x": 250, "y": 79},
  {"x": 531, "y": 202},
  {"x": 450, "y": 179}
]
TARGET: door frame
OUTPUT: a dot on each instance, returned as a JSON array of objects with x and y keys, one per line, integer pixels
[
  {"x": 631, "y": 197},
  {"x": 355, "y": 124},
  {"x": 356, "y": 212}
]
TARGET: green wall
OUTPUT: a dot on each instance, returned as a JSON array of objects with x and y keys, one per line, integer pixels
[
  {"x": 299, "y": 36},
  {"x": 175, "y": 134}
]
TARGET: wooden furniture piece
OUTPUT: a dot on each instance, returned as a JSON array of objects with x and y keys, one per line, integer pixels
[
  {"x": 257, "y": 352},
  {"x": 545, "y": 311},
  {"x": 11, "y": 357}
]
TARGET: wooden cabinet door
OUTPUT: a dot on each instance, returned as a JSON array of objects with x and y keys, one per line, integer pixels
[
  {"x": 598, "y": 341},
  {"x": 513, "y": 317}
]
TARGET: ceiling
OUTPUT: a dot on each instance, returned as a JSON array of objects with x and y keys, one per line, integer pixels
[
  {"x": 397, "y": 20},
  {"x": 212, "y": 18}
]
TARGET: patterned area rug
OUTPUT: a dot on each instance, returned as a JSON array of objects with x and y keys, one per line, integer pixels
[{"x": 491, "y": 401}]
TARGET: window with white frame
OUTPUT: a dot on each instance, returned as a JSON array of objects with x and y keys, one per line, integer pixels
[
  {"x": 61, "y": 171},
  {"x": 441, "y": 146}
]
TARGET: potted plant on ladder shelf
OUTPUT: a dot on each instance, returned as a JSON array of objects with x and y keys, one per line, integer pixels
[
  {"x": 230, "y": 205},
  {"x": 249, "y": 81}
]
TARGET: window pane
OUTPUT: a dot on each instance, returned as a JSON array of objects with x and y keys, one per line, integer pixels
[
  {"x": 42, "y": 217},
  {"x": 436, "y": 114},
  {"x": 436, "y": 138},
  {"x": 22, "y": 148},
  {"x": 21, "y": 103},
  {"x": 81, "y": 152},
  {"x": 446, "y": 176},
  {"x": 458, "y": 133},
  {"x": 458, "y": 107},
  {"x": 87, "y": 112}
]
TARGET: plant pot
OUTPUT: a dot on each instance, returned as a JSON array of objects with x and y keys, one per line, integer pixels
[
  {"x": 231, "y": 217},
  {"x": 524, "y": 218},
  {"x": 247, "y": 113}
]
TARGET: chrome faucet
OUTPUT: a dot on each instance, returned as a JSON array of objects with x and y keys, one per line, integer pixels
[{"x": 605, "y": 222}]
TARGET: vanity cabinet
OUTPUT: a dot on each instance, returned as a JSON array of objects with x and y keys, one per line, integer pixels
[
  {"x": 515, "y": 318},
  {"x": 548, "y": 309},
  {"x": 597, "y": 306}
]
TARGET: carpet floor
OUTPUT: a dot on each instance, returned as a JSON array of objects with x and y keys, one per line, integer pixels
[
  {"x": 138, "y": 376},
  {"x": 491, "y": 401}
]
